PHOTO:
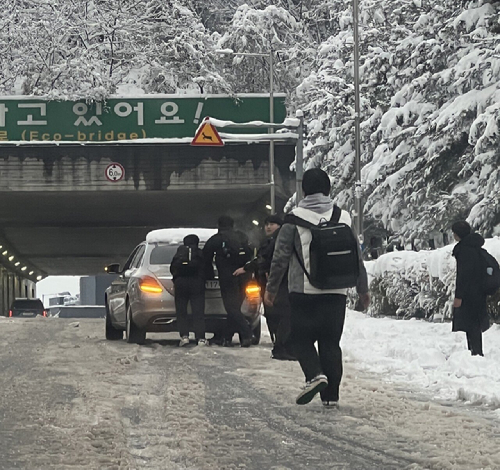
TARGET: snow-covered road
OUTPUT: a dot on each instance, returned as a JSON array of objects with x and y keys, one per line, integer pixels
[{"x": 72, "y": 400}]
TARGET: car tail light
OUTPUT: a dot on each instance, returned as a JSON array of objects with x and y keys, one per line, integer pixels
[
  {"x": 150, "y": 285},
  {"x": 253, "y": 291},
  {"x": 45, "y": 313},
  {"x": 10, "y": 313}
]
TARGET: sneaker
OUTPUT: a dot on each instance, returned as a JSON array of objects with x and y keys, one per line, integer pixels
[
  {"x": 331, "y": 404},
  {"x": 320, "y": 382},
  {"x": 184, "y": 341},
  {"x": 283, "y": 356},
  {"x": 246, "y": 343},
  {"x": 202, "y": 342}
]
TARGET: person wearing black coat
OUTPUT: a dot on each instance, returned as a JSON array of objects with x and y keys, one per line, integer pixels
[
  {"x": 187, "y": 268},
  {"x": 226, "y": 245},
  {"x": 469, "y": 306},
  {"x": 277, "y": 316}
]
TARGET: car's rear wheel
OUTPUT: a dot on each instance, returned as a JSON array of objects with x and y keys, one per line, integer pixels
[
  {"x": 112, "y": 333},
  {"x": 133, "y": 334},
  {"x": 257, "y": 332}
]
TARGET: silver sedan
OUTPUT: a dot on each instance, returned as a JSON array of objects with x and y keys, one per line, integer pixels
[{"x": 141, "y": 298}]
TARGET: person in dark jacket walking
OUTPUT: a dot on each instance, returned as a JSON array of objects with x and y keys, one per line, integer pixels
[
  {"x": 187, "y": 269},
  {"x": 277, "y": 316},
  {"x": 317, "y": 315},
  {"x": 231, "y": 250},
  {"x": 469, "y": 306}
]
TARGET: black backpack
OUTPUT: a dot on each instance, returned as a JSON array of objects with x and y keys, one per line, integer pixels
[
  {"x": 333, "y": 253},
  {"x": 491, "y": 273},
  {"x": 187, "y": 261},
  {"x": 235, "y": 248}
]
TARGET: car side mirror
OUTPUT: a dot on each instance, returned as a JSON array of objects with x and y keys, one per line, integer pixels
[{"x": 113, "y": 268}]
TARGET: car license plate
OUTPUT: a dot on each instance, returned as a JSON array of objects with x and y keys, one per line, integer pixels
[
  {"x": 28, "y": 314},
  {"x": 212, "y": 285}
]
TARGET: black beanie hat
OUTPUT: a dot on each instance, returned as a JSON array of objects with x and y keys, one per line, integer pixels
[
  {"x": 191, "y": 240},
  {"x": 461, "y": 228},
  {"x": 315, "y": 181},
  {"x": 273, "y": 219},
  {"x": 225, "y": 222}
]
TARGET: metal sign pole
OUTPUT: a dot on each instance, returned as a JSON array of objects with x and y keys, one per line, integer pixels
[
  {"x": 299, "y": 163},
  {"x": 271, "y": 130},
  {"x": 358, "y": 190}
]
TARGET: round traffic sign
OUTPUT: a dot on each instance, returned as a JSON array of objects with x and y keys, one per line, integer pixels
[{"x": 115, "y": 172}]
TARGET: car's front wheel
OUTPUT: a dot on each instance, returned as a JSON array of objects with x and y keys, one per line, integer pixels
[
  {"x": 112, "y": 333},
  {"x": 133, "y": 334}
]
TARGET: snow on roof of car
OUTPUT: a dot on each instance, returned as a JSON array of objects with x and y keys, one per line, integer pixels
[{"x": 176, "y": 235}]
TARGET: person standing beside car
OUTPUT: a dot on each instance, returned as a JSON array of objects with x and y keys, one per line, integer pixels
[
  {"x": 277, "y": 316},
  {"x": 469, "y": 306},
  {"x": 231, "y": 251},
  {"x": 188, "y": 269}
]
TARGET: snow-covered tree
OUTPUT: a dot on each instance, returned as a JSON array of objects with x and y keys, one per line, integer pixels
[{"x": 261, "y": 31}]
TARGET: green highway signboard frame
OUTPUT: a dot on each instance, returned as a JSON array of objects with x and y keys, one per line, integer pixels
[{"x": 34, "y": 119}]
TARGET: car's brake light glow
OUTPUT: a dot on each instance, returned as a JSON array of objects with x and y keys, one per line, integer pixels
[
  {"x": 45, "y": 313},
  {"x": 10, "y": 313},
  {"x": 252, "y": 290},
  {"x": 150, "y": 285}
]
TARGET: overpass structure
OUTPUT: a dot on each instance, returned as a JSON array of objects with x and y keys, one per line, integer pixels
[{"x": 71, "y": 205}]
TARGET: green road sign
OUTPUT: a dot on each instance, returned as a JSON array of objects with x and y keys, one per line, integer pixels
[{"x": 151, "y": 116}]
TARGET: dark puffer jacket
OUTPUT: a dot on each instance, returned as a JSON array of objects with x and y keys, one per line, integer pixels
[{"x": 469, "y": 285}]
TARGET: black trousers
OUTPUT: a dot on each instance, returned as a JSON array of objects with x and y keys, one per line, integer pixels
[
  {"x": 319, "y": 318},
  {"x": 475, "y": 340},
  {"x": 279, "y": 330},
  {"x": 190, "y": 289},
  {"x": 233, "y": 294}
]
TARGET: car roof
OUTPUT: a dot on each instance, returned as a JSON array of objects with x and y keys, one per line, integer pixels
[{"x": 176, "y": 235}]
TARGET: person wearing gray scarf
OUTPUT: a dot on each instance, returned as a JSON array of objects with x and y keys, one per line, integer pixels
[{"x": 317, "y": 315}]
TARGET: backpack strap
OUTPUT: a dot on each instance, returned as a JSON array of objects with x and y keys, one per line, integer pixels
[
  {"x": 295, "y": 220},
  {"x": 336, "y": 213}
]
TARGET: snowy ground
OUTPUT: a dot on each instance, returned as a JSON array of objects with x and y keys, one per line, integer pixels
[
  {"x": 427, "y": 357},
  {"x": 71, "y": 399}
]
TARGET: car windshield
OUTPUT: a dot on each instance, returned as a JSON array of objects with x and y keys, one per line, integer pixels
[
  {"x": 162, "y": 254},
  {"x": 28, "y": 303}
]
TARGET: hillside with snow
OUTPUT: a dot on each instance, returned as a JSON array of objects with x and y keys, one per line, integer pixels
[{"x": 429, "y": 85}]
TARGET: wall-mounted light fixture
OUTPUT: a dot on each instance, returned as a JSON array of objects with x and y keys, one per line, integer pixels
[
  {"x": 11, "y": 258},
  {"x": 24, "y": 268},
  {"x": 5, "y": 253},
  {"x": 17, "y": 263},
  {"x": 255, "y": 222},
  {"x": 31, "y": 273}
]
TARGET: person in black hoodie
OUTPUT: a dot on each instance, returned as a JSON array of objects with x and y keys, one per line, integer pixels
[
  {"x": 231, "y": 251},
  {"x": 187, "y": 269},
  {"x": 469, "y": 306},
  {"x": 277, "y": 316}
]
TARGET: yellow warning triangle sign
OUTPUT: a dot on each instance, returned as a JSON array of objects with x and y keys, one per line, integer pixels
[{"x": 207, "y": 135}]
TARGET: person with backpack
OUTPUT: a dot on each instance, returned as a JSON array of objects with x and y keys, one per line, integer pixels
[
  {"x": 187, "y": 268},
  {"x": 469, "y": 306},
  {"x": 232, "y": 251},
  {"x": 323, "y": 258},
  {"x": 277, "y": 316}
]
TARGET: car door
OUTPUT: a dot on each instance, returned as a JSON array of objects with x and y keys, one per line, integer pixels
[{"x": 118, "y": 288}]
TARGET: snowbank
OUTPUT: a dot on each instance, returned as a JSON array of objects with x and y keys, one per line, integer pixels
[
  {"x": 409, "y": 283},
  {"x": 426, "y": 357}
]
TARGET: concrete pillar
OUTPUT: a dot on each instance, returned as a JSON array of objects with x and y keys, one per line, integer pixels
[{"x": 3, "y": 293}]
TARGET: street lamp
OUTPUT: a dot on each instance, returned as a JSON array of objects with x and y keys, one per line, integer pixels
[
  {"x": 270, "y": 56},
  {"x": 358, "y": 189}
]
